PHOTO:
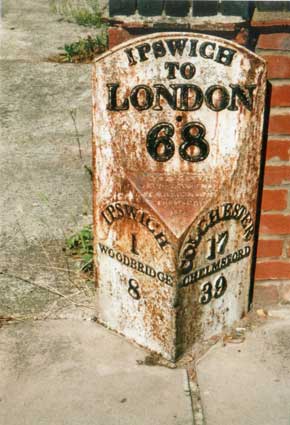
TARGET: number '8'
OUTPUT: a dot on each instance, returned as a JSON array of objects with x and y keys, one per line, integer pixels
[{"x": 161, "y": 147}]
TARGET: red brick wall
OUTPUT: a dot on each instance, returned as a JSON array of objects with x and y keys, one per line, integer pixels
[{"x": 273, "y": 262}]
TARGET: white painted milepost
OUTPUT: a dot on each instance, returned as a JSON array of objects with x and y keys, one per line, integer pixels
[{"x": 177, "y": 139}]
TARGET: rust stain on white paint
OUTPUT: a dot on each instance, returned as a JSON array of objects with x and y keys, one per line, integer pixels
[{"x": 177, "y": 125}]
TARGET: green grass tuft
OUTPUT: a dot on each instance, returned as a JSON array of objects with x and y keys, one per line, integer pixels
[
  {"x": 85, "y": 49},
  {"x": 83, "y": 12},
  {"x": 81, "y": 244}
]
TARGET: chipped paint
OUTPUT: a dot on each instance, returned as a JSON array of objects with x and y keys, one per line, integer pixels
[{"x": 177, "y": 124}]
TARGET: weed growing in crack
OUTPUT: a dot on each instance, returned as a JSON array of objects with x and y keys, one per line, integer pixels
[
  {"x": 81, "y": 245},
  {"x": 85, "y": 49},
  {"x": 85, "y": 13},
  {"x": 87, "y": 19},
  {"x": 82, "y": 12}
]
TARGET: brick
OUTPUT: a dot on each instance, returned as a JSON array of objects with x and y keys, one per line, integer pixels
[
  {"x": 280, "y": 95},
  {"x": 271, "y": 6},
  {"x": 270, "y": 20},
  {"x": 285, "y": 293},
  {"x": 117, "y": 36},
  {"x": 269, "y": 248},
  {"x": 266, "y": 295},
  {"x": 278, "y": 66},
  {"x": 278, "y": 149},
  {"x": 275, "y": 224},
  {"x": 279, "y": 124},
  {"x": 277, "y": 41},
  {"x": 276, "y": 174},
  {"x": 272, "y": 270},
  {"x": 274, "y": 200}
]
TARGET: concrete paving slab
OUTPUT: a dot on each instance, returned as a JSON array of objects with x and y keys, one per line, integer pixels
[
  {"x": 43, "y": 178},
  {"x": 45, "y": 187},
  {"x": 79, "y": 373},
  {"x": 248, "y": 383},
  {"x": 30, "y": 32}
]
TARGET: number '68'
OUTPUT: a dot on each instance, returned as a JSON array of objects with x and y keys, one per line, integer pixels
[{"x": 161, "y": 147}]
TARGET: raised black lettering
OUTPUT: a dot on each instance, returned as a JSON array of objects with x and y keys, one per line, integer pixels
[
  {"x": 245, "y": 98},
  {"x": 217, "y": 98},
  {"x": 133, "y": 263},
  {"x": 118, "y": 207},
  {"x": 134, "y": 245},
  {"x": 187, "y": 261},
  {"x": 216, "y": 267},
  {"x": 249, "y": 232},
  {"x": 161, "y": 90},
  {"x": 246, "y": 219},
  {"x": 235, "y": 257},
  {"x": 112, "y": 104},
  {"x": 172, "y": 67},
  {"x": 111, "y": 210},
  {"x": 190, "y": 98},
  {"x": 225, "y": 55},
  {"x": 196, "y": 140},
  {"x": 227, "y": 211},
  {"x": 206, "y": 50},
  {"x": 204, "y": 271},
  {"x": 130, "y": 56},
  {"x": 106, "y": 218},
  {"x": 214, "y": 217},
  {"x": 193, "y": 44},
  {"x": 149, "y": 271},
  {"x": 111, "y": 253},
  {"x": 160, "y": 276},
  {"x": 143, "y": 215},
  {"x": 161, "y": 240},
  {"x": 126, "y": 260},
  {"x": 158, "y": 49},
  {"x": 236, "y": 210},
  {"x": 130, "y": 211},
  {"x": 241, "y": 254},
  {"x": 202, "y": 230},
  {"x": 241, "y": 211},
  {"x": 119, "y": 257},
  {"x": 220, "y": 286},
  {"x": 186, "y": 280},
  {"x": 187, "y": 70},
  {"x": 142, "y": 50},
  {"x": 140, "y": 267},
  {"x": 141, "y": 97},
  {"x": 224, "y": 262},
  {"x": 168, "y": 279},
  {"x": 103, "y": 248},
  {"x": 151, "y": 229},
  {"x": 176, "y": 45},
  {"x": 133, "y": 289}
]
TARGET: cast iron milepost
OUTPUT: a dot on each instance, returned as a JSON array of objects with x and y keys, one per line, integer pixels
[{"x": 177, "y": 136}]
